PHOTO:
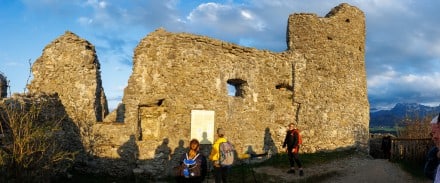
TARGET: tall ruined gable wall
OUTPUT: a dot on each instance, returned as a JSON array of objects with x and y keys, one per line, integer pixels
[
  {"x": 176, "y": 73},
  {"x": 334, "y": 104},
  {"x": 69, "y": 67}
]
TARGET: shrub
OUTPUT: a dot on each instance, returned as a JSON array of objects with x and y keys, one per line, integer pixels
[
  {"x": 30, "y": 149},
  {"x": 414, "y": 128}
]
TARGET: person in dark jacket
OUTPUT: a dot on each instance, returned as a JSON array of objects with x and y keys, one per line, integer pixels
[
  {"x": 432, "y": 161},
  {"x": 291, "y": 141},
  {"x": 433, "y": 156},
  {"x": 386, "y": 146}
]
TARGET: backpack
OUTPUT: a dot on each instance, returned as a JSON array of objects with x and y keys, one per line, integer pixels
[
  {"x": 300, "y": 141},
  {"x": 191, "y": 167},
  {"x": 226, "y": 154}
]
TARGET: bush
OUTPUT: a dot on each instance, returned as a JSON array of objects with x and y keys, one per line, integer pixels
[
  {"x": 414, "y": 128},
  {"x": 30, "y": 149}
]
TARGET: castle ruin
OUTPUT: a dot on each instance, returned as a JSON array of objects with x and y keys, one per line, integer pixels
[{"x": 318, "y": 83}]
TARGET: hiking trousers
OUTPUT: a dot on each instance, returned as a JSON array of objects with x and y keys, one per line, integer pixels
[
  {"x": 294, "y": 157},
  {"x": 221, "y": 174}
]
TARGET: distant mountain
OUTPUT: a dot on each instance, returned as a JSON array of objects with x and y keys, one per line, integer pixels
[{"x": 400, "y": 112}]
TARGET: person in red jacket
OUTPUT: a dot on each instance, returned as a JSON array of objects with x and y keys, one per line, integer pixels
[{"x": 292, "y": 143}]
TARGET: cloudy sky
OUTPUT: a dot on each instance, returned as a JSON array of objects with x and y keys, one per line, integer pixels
[{"x": 402, "y": 55}]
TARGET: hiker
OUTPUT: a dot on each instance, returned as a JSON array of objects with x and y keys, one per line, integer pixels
[
  {"x": 292, "y": 142},
  {"x": 386, "y": 146},
  {"x": 432, "y": 159},
  {"x": 193, "y": 166},
  {"x": 220, "y": 172}
]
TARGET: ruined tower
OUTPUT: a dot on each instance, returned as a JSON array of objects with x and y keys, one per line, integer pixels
[{"x": 333, "y": 94}]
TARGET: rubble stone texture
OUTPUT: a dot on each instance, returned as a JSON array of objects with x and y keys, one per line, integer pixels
[
  {"x": 318, "y": 83},
  {"x": 69, "y": 66}
]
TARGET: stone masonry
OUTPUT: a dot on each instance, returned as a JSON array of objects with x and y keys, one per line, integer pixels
[
  {"x": 318, "y": 83},
  {"x": 69, "y": 67}
]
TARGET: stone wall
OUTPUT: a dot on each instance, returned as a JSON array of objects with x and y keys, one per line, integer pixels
[
  {"x": 319, "y": 83},
  {"x": 69, "y": 66},
  {"x": 176, "y": 73}
]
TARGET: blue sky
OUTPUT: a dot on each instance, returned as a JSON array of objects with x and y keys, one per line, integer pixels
[{"x": 402, "y": 46}]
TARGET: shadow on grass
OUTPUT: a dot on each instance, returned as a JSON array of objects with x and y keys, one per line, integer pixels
[
  {"x": 314, "y": 179},
  {"x": 309, "y": 159},
  {"x": 245, "y": 173}
]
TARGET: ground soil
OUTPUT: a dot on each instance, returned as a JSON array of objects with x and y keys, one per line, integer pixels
[{"x": 355, "y": 169}]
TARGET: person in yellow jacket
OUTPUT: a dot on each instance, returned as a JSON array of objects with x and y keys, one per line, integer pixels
[{"x": 220, "y": 173}]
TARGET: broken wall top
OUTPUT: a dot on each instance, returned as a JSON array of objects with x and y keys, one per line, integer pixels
[{"x": 69, "y": 66}]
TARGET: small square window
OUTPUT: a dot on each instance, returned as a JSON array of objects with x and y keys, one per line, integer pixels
[{"x": 235, "y": 87}]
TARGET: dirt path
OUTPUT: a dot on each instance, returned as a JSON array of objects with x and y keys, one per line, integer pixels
[{"x": 349, "y": 170}]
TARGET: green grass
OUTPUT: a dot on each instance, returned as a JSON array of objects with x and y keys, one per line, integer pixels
[{"x": 384, "y": 129}]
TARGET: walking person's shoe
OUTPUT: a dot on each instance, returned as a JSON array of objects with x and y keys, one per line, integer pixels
[
  {"x": 292, "y": 171},
  {"x": 301, "y": 173}
]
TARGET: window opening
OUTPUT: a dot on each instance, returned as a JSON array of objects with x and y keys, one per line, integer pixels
[
  {"x": 235, "y": 87},
  {"x": 231, "y": 90},
  {"x": 284, "y": 86}
]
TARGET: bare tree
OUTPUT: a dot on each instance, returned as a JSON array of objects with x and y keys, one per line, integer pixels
[{"x": 415, "y": 128}]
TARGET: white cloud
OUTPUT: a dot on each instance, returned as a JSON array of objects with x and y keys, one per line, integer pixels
[
  {"x": 225, "y": 20},
  {"x": 410, "y": 78},
  {"x": 381, "y": 80},
  {"x": 400, "y": 81},
  {"x": 101, "y": 15},
  {"x": 85, "y": 21},
  {"x": 246, "y": 15},
  {"x": 423, "y": 83},
  {"x": 208, "y": 12},
  {"x": 102, "y": 4}
]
